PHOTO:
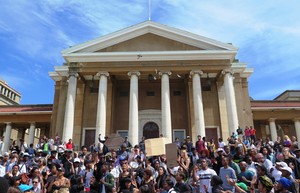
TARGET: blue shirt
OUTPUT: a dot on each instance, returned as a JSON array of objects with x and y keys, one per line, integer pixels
[{"x": 231, "y": 173}]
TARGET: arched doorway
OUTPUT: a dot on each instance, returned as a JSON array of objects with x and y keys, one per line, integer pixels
[{"x": 150, "y": 130}]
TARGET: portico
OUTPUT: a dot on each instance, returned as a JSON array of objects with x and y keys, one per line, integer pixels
[{"x": 107, "y": 86}]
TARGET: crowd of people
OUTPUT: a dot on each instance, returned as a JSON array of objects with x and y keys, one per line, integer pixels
[{"x": 240, "y": 164}]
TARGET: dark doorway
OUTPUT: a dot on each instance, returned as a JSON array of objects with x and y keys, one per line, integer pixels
[
  {"x": 212, "y": 133},
  {"x": 150, "y": 130},
  {"x": 89, "y": 137}
]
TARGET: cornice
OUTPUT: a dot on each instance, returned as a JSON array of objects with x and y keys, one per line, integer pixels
[{"x": 151, "y": 56}]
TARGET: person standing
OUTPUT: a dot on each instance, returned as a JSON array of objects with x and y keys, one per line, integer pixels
[
  {"x": 168, "y": 186},
  {"x": 69, "y": 145},
  {"x": 252, "y": 133},
  {"x": 107, "y": 181},
  {"x": 226, "y": 172},
  {"x": 203, "y": 176}
]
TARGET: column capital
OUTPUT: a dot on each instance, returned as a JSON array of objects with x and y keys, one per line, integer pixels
[
  {"x": 200, "y": 72},
  {"x": 164, "y": 72},
  {"x": 7, "y": 123},
  {"x": 73, "y": 69},
  {"x": 137, "y": 73},
  {"x": 32, "y": 123},
  {"x": 73, "y": 73},
  {"x": 272, "y": 119},
  {"x": 102, "y": 73},
  {"x": 296, "y": 119},
  {"x": 225, "y": 71}
]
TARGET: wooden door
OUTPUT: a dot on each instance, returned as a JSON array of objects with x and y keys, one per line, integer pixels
[
  {"x": 212, "y": 133},
  {"x": 89, "y": 138},
  {"x": 150, "y": 130}
]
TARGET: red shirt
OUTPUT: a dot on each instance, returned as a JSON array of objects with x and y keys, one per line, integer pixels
[
  {"x": 252, "y": 131},
  {"x": 69, "y": 145}
]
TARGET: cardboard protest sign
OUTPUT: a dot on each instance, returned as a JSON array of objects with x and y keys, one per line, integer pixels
[
  {"x": 114, "y": 141},
  {"x": 156, "y": 146},
  {"x": 171, "y": 153}
]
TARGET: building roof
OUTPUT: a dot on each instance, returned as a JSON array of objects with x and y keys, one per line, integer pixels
[
  {"x": 288, "y": 94},
  {"x": 2, "y": 82},
  {"x": 208, "y": 49},
  {"x": 46, "y": 108},
  {"x": 270, "y": 104}
]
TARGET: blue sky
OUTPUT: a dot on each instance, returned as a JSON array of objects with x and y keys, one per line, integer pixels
[{"x": 33, "y": 34}]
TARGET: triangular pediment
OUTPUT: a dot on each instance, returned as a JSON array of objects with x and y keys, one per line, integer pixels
[
  {"x": 149, "y": 36},
  {"x": 149, "y": 42}
]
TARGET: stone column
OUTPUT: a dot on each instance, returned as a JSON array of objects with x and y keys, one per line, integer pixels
[
  {"x": 198, "y": 104},
  {"x": 273, "y": 129},
  {"x": 7, "y": 137},
  {"x": 133, "y": 128},
  {"x": 101, "y": 108},
  {"x": 297, "y": 128},
  {"x": 31, "y": 133},
  {"x": 233, "y": 122},
  {"x": 165, "y": 106},
  {"x": 70, "y": 107}
]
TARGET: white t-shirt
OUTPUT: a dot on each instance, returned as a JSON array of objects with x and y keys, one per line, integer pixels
[
  {"x": 2, "y": 171},
  {"x": 252, "y": 168},
  {"x": 205, "y": 178},
  {"x": 221, "y": 144},
  {"x": 276, "y": 174}
]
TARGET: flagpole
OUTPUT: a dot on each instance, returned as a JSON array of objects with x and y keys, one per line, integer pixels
[{"x": 149, "y": 12}]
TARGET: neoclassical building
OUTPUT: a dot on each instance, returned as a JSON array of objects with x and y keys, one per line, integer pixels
[{"x": 150, "y": 80}]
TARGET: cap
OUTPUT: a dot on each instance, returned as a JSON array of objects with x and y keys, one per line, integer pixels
[
  {"x": 25, "y": 154},
  {"x": 6, "y": 154},
  {"x": 287, "y": 168},
  {"x": 155, "y": 161},
  {"x": 286, "y": 183},
  {"x": 39, "y": 150},
  {"x": 282, "y": 164},
  {"x": 242, "y": 185},
  {"x": 25, "y": 187},
  {"x": 69, "y": 150},
  {"x": 14, "y": 151},
  {"x": 136, "y": 146},
  {"x": 76, "y": 160},
  {"x": 220, "y": 149},
  {"x": 61, "y": 169}
]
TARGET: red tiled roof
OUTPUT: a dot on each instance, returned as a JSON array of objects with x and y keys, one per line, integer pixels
[
  {"x": 25, "y": 108},
  {"x": 275, "y": 104}
]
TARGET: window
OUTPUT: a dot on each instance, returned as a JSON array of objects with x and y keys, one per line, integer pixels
[
  {"x": 123, "y": 93},
  {"x": 122, "y": 133},
  {"x": 177, "y": 93},
  {"x": 150, "y": 93},
  {"x": 179, "y": 133}
]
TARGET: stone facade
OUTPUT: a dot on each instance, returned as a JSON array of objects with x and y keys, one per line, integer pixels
[{"x": 186, "y": 85}]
